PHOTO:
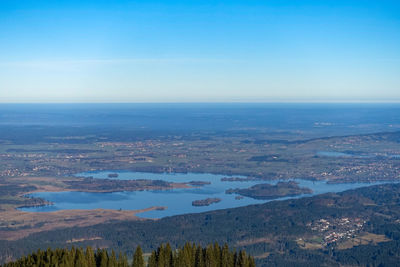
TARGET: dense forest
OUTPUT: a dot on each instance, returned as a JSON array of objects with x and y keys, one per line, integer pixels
[
  {"x": 270, "y": 231},
  {"x": 165, "y": 256}
]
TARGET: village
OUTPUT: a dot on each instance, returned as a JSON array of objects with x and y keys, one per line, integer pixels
[{"x": 337, "y": 229}]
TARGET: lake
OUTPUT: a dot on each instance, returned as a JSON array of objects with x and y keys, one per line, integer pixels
[
  {"x": 177, "y": 201},
  {"x": 335, "y": 154}
]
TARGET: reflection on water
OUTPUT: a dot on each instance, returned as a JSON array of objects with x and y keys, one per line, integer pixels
[{"x": 177, "y": 201}]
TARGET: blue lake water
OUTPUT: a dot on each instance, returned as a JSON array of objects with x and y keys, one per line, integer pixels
[
  {"x": 335, "y": 154},
  {"x": 56, "y": 123},
  {"x": 177, "y": 201}
]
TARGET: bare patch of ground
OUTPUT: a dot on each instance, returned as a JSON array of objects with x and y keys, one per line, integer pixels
[
  {"x": 262, "y": 256},
  {"x": 18, "y": 224},
  {"x": 363, "y": 239},
  {"x": 309, "y": 244},
  {"x": 75, "y": 240}
]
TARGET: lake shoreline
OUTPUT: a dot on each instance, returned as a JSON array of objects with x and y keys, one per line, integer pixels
[{"x": 179, "y": 198}]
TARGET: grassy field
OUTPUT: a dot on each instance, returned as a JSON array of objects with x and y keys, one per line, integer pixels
[{"x": 369, "y": 157}]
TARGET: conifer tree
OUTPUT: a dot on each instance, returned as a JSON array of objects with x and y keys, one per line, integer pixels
[
  {"x": 89, "y": 255},
  {"x": 252, "y": 262},
  {"x": 103, "y": 259},
  {"x": 152, "y": 259},
  {"x": 226, "y": 257},
  {"x": 210, "y": 258},
  {"x": 199, "y": 258},
  {"x": 80, "y": 260},
  {"x": 122, "y": 260},
  {"x": 187, "y": 256},
  {"x": 112, "y": 260},
  {"x": 168, "y": 260},
  {"x": 243, "y": 261},
  {"x": 217, "y": 254},
  {"x": 138, "y": 260}
]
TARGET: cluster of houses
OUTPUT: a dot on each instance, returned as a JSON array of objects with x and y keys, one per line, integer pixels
[{"x": 335, "y": 229}]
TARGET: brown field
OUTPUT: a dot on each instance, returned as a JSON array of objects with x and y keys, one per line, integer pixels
[
  {"x": 363, "y": 239},
  {"x": 45, "y": 221},
  {"x": 308, "y": 245},
  {"x": 15, "y": 224},
  {"x": 262, "y": 256},
  {"x": 253, "y": 241}
]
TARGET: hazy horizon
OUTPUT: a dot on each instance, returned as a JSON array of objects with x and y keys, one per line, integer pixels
[{"x": 286, "y": 101}]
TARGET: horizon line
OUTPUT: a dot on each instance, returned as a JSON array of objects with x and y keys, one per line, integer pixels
[{"x": 206, "y": 102}]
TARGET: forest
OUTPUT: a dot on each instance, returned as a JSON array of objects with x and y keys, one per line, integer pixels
[
  {"x": 278, "y": 233},
  {"x": 190, "y": 254}
]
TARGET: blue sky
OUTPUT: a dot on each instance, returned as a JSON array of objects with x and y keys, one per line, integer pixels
[{"x": 174, "y": 51}]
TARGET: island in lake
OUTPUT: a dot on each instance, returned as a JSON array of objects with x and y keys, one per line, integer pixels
[
  {"x": 113, "y": 175},
  {"x": 268, "y": 191},
  {"x": 205, "y": 202},
  {"x": 198, "y": 183},
  {"x": 236, "y": 179},
  {"x": 116, "y": 185}
]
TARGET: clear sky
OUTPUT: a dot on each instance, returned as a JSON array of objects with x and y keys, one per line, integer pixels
[{"x": 201, "y": 50}]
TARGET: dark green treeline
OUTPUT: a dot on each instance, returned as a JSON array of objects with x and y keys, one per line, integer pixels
[{"x": 189, "y": 255}]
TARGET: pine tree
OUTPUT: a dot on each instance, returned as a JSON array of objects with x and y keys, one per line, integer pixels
[
  {"x": 187, "y": 256},
  {"x": 226, "y": 257},
  {"x": 138, "y": 258},
  {"x": 168, "y": 258},
  {"x": 80, "y": 260},
  {"x": 199, "y": 258},
  {"x": 103, "y": 258},
  {"x": 89, "y": 256},
  {"x": 217, "y": 254},
  {"x": 112, "y": 261},
  {"x": 152, "y": 259},
  {"x": 122, "y": 260},
  {"x": 243, "y": 261},
  {"x": 210, "y": 258},
  {"x": 252, "y": 262}
]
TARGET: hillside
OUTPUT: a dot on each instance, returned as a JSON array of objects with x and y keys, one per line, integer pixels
[{"x": 342, "y": 228}]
